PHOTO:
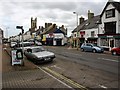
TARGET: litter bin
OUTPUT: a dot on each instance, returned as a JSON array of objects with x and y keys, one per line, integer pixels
[{"x": 17, "y": 57}]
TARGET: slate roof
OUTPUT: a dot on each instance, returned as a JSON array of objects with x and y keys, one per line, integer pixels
[
  {"x": 53, "y": 29},
  {"x": 88, "y": 24}
]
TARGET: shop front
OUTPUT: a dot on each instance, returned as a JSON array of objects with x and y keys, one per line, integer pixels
[{"x": 109, "y": 40}]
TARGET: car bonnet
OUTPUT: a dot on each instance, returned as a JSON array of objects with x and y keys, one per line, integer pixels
[{"x": 43, "y": 54}]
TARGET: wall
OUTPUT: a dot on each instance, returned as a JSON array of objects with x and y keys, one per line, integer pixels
[
  {"x": 112, "y": 19},
  {"x": 88, "y": 33}
]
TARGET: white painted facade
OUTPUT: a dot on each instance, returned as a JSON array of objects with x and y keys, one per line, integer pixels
[
  {"x": 27, "y": 35},
  {"x": 112, "y": 19},
  {"x": 88, "y": 33},
  {"x": 107, "y": 41},
  {"x": 56, "y": 36}
]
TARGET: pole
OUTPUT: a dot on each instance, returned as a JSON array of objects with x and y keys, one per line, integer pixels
[
  {"x": 22, "y": 42},
  {"x": 21, "y": 27},
  {"x": 77, "y": 29}
]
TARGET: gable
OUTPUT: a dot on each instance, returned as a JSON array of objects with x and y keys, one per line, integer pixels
[
  {"x": 111, "y": 5},
  {"x": 58, "y": 31}
]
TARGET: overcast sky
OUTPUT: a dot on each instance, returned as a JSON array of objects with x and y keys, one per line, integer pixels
[{"x": 19, "y": 12}]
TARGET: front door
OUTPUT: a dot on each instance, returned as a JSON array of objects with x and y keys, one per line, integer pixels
[{"x": 111, "y": 43}]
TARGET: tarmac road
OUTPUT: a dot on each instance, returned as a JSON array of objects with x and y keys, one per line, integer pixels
[
  {"x": 93, "y": 70},
  {"x": 102, "y": 61}
]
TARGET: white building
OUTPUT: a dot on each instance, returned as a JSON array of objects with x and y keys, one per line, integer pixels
[
  {"x": 109, "y": 26},
  {"x": 87, "y": 29}
]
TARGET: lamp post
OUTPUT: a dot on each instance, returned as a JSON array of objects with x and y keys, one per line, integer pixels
[
  {"x": 21, "y": 27},
  {"x": 76, "y": 26}
]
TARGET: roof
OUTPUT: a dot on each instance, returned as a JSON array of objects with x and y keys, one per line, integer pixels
[
  {"x": 53, "y": 29},
  {"x": 59, "y": 31},
  {"x": 88, "y": 24},
  {"x": 50, "y": 29},
  {"x": 115, "y": 4}
]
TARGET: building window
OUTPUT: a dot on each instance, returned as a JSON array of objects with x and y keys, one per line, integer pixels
[
  {"x": 75, "y": 35},
  {"x": 110, "y": 28},
  {"x": 92, "y": 33},
  {"x": 110, "y": 13}
]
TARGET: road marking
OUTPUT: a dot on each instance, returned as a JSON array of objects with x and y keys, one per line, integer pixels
[
  {"x": 55, "y": 78},
  {"x": 108, "y": 59},
  {"x": 65, "y": 79},
  {"x": 57, "y": 67},
  {"x": 73, "y": 54},
  {"x": 103, "y": 86}
]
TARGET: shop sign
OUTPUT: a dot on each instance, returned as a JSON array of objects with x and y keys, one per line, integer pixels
[
  {"x": 109, "y": 36},
  {"x": 14, "y": 58}
]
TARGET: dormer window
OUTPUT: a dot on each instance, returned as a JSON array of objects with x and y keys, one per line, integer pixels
[{"x": 110, "y": 13}]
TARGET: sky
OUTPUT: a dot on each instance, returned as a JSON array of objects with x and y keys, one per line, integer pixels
[{"x": 19, "y": 12}]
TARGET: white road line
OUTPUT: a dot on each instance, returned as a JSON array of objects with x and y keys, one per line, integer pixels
[
  {"x": 108, "y": 59},
  {"x": 103, "y": 86},
  {"x": 57, "y": 67},
  {"x": 56, "y": 78},
  {"x": 73, "y": 54}
]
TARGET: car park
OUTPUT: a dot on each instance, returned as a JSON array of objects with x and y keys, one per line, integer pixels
[
  {"x": 38, "y": 54},
  {"x": 91, "y": 47},
  {"x": 115, "y": 51}
]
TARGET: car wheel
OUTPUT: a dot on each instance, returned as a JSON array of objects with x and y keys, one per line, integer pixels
[
  {"x": 82, "y": 49},
  {"x": 114, "y": 53},
  {"x": 94, "y": 51}
]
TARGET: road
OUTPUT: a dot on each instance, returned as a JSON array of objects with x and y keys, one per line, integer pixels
[
  {"x": 93, "y": 70},
  {"x": 106, "y": 62}
]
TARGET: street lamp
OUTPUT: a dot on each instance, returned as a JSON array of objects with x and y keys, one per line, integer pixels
[
  {"x": 21, "y": 27},
  {"x": 76, "y": 26}
]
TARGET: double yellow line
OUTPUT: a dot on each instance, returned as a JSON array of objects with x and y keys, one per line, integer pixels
[{"x": 65, "y": 78}]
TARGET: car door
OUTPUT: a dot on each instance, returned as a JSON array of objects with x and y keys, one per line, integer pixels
[
  {"x": 118, "y": 50},
  {"x": 88, "y": 47}
]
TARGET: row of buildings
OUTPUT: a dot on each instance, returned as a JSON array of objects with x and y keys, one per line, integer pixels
[
  {"x": 103, "y": 29},
  {"x": 50, "y": 34}
]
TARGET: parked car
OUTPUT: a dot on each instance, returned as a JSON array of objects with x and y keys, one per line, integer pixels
[
  {"x": 25, "y": 44},
  {"x": 38, "y": 54},
  {"x": 91, "y": 47},
  {"x": 38, "y": 43},
  {"x": 13, "y": 44},
  {"x": 115, "y": 51}
]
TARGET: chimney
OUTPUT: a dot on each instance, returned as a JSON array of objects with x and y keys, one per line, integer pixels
[
  {"x": 90, "y": 15},
  {"x": 46, "y": 25},
  {"x": 81, "y": 20},
  {"x": 49, "y": 24}
]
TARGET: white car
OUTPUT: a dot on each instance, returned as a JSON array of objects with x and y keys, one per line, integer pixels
[
  {"x": 38, "y": 54},
  {"x": 12, "y": 44}
]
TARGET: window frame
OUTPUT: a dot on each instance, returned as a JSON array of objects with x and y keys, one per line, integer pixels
[{"x": 110, "y": 13}]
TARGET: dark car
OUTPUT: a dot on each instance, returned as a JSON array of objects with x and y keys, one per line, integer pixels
[
  {"x": 38, "y": 54},
  {"x": 115, "y": 51},
  {"x": 91, "y": 47}
]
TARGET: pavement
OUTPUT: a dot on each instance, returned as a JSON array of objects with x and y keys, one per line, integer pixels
[
  {"x": 27, "y": 76},
  {"x": 23, "y": 77}
]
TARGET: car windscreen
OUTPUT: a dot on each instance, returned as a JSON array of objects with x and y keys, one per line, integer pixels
[{"x": 38, "y": 49}]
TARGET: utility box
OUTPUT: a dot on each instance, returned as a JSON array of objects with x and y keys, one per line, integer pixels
[{"x": 17, "y": 57}]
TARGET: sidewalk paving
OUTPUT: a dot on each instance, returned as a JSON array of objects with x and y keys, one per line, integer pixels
[{"x": 28, "y": 76}]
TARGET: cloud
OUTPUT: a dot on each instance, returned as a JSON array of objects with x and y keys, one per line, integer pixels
[{"x": 16, "y": 12}]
